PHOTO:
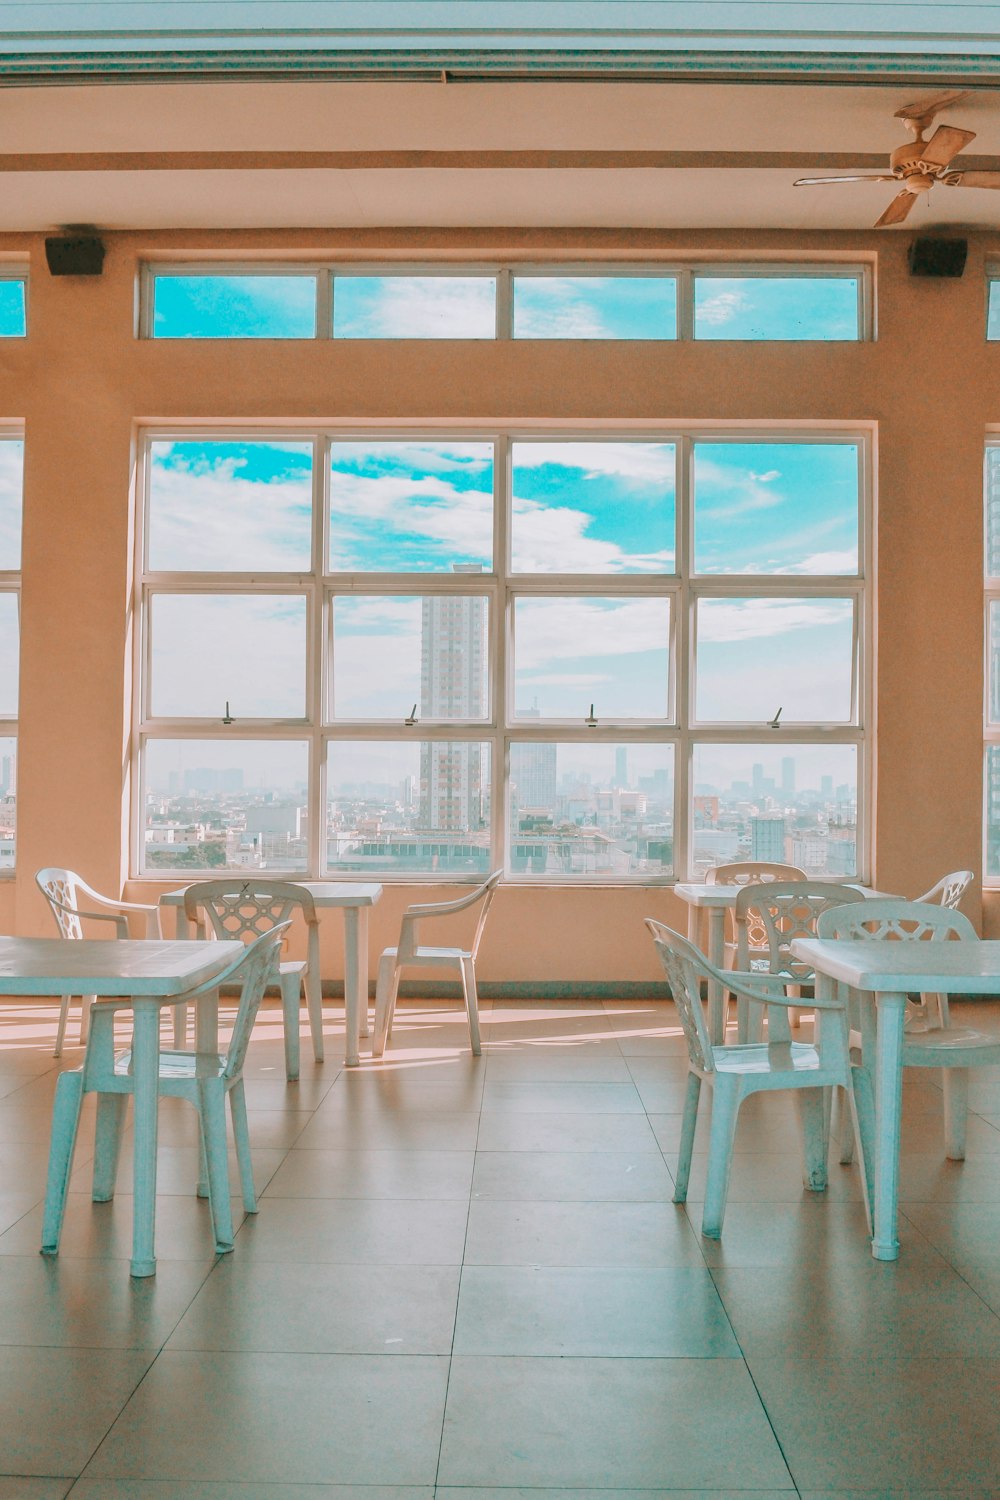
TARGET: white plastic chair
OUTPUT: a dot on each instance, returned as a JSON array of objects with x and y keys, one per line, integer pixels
[
  {"x": 203, "y": 1078},
  {"x": 948, "y": 892},
  {"x": 783, "y": 911},
  {"x": 749, "y": 872},
  {"x": 954, "y": 1049},
  {"x": 409, "y": 951},
  {"x": 246, "y": 908},
  {"x": 734, "y": 1071},
  {"x": 72, "y": 902}
]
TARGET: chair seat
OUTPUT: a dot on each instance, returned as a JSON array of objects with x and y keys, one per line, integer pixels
[
  {"x": 937, "y": 1048},
  {"x": 424, "y": 955},
  {"x": 178, "y": 1066},
  {"x": 758, "y": 1057},
  {"x": 293, "y": 966}
]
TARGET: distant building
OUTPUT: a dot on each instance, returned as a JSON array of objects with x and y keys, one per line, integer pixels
[
  {"x": 621, "y": 766},
  {"x": 788, "y": 777},
  {"x": 767, "y": 839},
  {"x": 452, "y": 686}
]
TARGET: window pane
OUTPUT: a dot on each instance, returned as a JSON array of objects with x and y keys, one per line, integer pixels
[
  {"x": 593, "y": 507},
  {"x": 402, "y": 507},
  {"x": 993, "y": 314},
  {"x": 776, "y": 307},
  {"x": 230, "y": 507},
  {"x": 408, "y": 808},
  {"x": 8, "y": 802},
  {"x": 595, "y": 307},
  {"x": 13, "y": 322},
  {"x": 993, "y": 512},
  {"x": 590, "y": 810},
  {"x": 213, "y": 650},
  {"x": 414, "y": 307},
  {"x": 390, "y": 654},
  {"x": 776, "y": 508},
  {"x": 792, "y": 804},
  {"x": 226, "y": 805},
  {"x": 992, "y": 810},
  {"x": 994, "y": 663},
  {"x": 234, "y": 307},
  {"x": 755, "y": 656},
  {"x": 9, "y": 655},
  {"x": 571, "y": 653},
  {"x": 11, "y": 480}
]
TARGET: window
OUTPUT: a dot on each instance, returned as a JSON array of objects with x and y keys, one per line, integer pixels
[
  {"x": 588, "y": 656},
  {"x": 13, "y": 303},
  {"x": 11, "y": 470},
  {"x": 612, "y": 302},
  {"x": 991, "y": 777}
]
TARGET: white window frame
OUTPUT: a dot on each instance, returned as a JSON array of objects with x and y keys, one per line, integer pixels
[
  {"x": 684, "y": 273},
  {"x": 500, "y": 587},
  {"x": 991, "y": 596},
  {"x": 10, "y": 583}
]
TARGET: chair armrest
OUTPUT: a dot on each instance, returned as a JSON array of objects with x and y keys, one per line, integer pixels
[
  {"x": 442, "y": 908},
  {"x": 120, "y": 921},
  {"x": 769, "y": 989}
]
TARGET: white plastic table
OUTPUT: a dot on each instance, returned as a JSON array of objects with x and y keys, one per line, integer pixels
[
  {"x": 716, "y": 900},
  {"x": 884, "y": 974},
  {"x": 148, "y": 975},
  {"x": 355, "y": 900}
]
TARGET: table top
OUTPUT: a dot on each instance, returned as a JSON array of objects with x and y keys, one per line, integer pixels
[
  {"x": 967, "y": 967},
  {"x": 697, "y": 893},
  {"x": 108, "y": 967},
  {"x": 324, "y": 892}
]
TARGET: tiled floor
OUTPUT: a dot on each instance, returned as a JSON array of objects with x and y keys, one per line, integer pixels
[{"x": 467, "y": 1280}]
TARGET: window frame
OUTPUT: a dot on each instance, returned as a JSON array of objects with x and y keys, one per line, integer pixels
[
  {"x": 10, "y": 583},
  {"x": 991, "y": 596},
  {"x": 501, "y": 587}
]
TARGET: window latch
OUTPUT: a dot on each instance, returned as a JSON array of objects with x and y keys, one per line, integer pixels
[
  {"x": 227, "y": 717},
  {"x": 773, "y": 723},
  {"x": 411, "y": 717},
  {"x": 590, "y": 719}
]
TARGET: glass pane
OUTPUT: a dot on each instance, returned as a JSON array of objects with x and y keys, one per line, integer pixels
[
  {"x": 400, "y": 507},
  {"x": 570, "y": 653},
  {"x": 8, "y": 802},
  {"x": 776, "y": 508},
  {"x": 993, "y": 512},
  {"x": 230, "y": 507},
  {"x": 13, "y": 322},
  {"x": 994, "y": 662},
  {"x": 595, "y": 307},
  {"x": 226, "y": 805},
  {"x": 755, "y": 656},
  {"x": 992, "y": 811},
  {"x": 993, "y": 313},
  {"x": 11, "y": 483},
  {"x": 591, "y": 809},
  {"x": 790, "y": 804},
  {"x": 408, "y": 808},
  {"x": 10, "y": 651},
  {"x": 414, "y": 307},
  {"x": 593, "y": 507},
  {"x": 213, "y": 650},
  {"x": 776, "y": 307},
  {"x": 234, "y": 307},
  {"x": 393, "y": 654}
]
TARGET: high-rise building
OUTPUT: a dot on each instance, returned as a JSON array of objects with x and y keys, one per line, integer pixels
[
  {"x": 826, "y": 786},
  {"x": 452, "y": 686},
  {"x": 788, "y": 777},
  {"x": 767, "y": 839},
  {"x": 533, "y": 771},
  {"x": 621, "y": 766}
]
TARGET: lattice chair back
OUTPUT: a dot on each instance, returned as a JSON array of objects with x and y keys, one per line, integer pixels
[
  {"x": 950, "y": 889},
  {"x": 246, "y": 908},
  {"x": 684, "y": 965},
  {"x": 61, "y": 889},
  {"x": 753, "y": 872},
  {"x": 888, "y": 919},
  {"x": 258, "y": 969},
  {"x": 790, "y": 910}
]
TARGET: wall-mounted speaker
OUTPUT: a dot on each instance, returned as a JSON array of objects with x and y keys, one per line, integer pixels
[
  {"x": 74, "y": 255},
  {"x": 938, "y": 257}
]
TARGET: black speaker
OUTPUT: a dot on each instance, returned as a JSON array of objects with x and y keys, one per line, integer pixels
[
  {"x": 938, "y": 257},
  {"x": 74, "y": 255}
]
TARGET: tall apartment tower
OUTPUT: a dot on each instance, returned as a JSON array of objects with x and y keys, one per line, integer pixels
[{"x": 452, "y": 686}]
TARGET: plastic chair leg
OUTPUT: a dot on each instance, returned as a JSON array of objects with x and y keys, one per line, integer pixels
[
  {"x": 864, "y": 1109},
  {"x": 688, "y": 1124},
  {"x": 61, "y": 1028},
  {"x": 471, "y": 1003},
  {"x": 955, "y": 1082},
  {"x": 86, "y": 1003},
  {"x": 386, "y": 990},
  {"x": 725, "y": 1105},
  {"x": 108, "y": 1144},
  {"x": 180, "y": 1026},
  {"x": 65, "y": 1120},
  {"x": 290, "y": 984},
  {"x": 812, "y": 1112},
  {"x": 314, "y": 1005},
  {"x": 212, "y": 1107},
  {"x": 241, "y": 1135}
]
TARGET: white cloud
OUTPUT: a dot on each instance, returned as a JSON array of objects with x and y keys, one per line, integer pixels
[
  {"x": 728, "y": 620},
  {"x": 643, "y": 463},
  {"x": 209, "y": 649},
  {"x": 11, "y": 479},
  {"x": 418, "y": 307},
  {"x": 563, "y": 309},
  {"x": 207, "y": 514},
  {"x": 550, "y": 630},
  {"x": 720, "y": 308}
]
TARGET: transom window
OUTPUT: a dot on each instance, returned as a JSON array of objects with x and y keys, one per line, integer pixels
[
  {"x": 583, "y": 655},
  {"x": 13, "y": 302}
]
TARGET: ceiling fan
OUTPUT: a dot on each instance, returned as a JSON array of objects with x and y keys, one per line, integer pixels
[{"x": 920, "y": 164}]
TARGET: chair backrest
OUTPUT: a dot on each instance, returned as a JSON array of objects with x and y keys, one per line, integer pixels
[
  {"x": 486, "y": 892},
  {"x": 245, "y": 908},
  {"x": 256, "y": 968},
  {"x": 885, "y": 918},
  {"x": 789, "y": 910},
  {"x": 62, "y": 889},
  {"x": 752, "y": 872},
  {"x": 684, "y": 965},
  {"x": 950, "y": 889},
  {"x": 408, "y": 941}
]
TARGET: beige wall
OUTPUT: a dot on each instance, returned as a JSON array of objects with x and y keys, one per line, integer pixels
[{"x": 81, "y": 382}]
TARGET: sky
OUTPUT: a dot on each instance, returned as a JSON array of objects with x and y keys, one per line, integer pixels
[{"x": 12, "y": 307}]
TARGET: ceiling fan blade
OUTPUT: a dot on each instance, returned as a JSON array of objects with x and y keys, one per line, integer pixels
[
  {"x": 867, "y": 177},
  {"x": 973, "y": 179},
  {"x": 921, "y": 108},
  {"x": 946, "y": 142},
  {"x": 897, "y": 210}
]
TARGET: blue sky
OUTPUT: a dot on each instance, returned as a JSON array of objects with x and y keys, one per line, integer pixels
[{"x": 12, "y": 308}]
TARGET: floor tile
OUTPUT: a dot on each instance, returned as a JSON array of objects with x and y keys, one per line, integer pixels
[
  {"x": 20, "y": 1487},
  {"x": 373, "y": 1174},
  {"x": 580, "y": 1234},
  {"x": 356, "y": 1231},
  {"x": 462, "y": 1492},
  {"x": 385, "y": 1129},
  {"x": 103, "y": 1231},
  {"x": 572, "y": 1176},
  {"x": 501, "y": 1131},
  {"x": 562, "y": 1098},
  {"x": 599, "y": 1062},
  {"x": 195, "y": 1489},
  {"x": 59, "y": 1302},
  {"x": 767, "y": 1176},
  {"x": 627, "y": 1313},
  {"x": 321, "y": 1308},
  {"x": 586, "y": 1422},
  {"x": 302, "y": 1418},
  {"x": 56, "y": 1404},
  {"x": 661, "y": 1082},
  {"x": 812, "y": 1232},
  {"x": 177, "y": 1170},
  {"x": 962, "y": 1230}
]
